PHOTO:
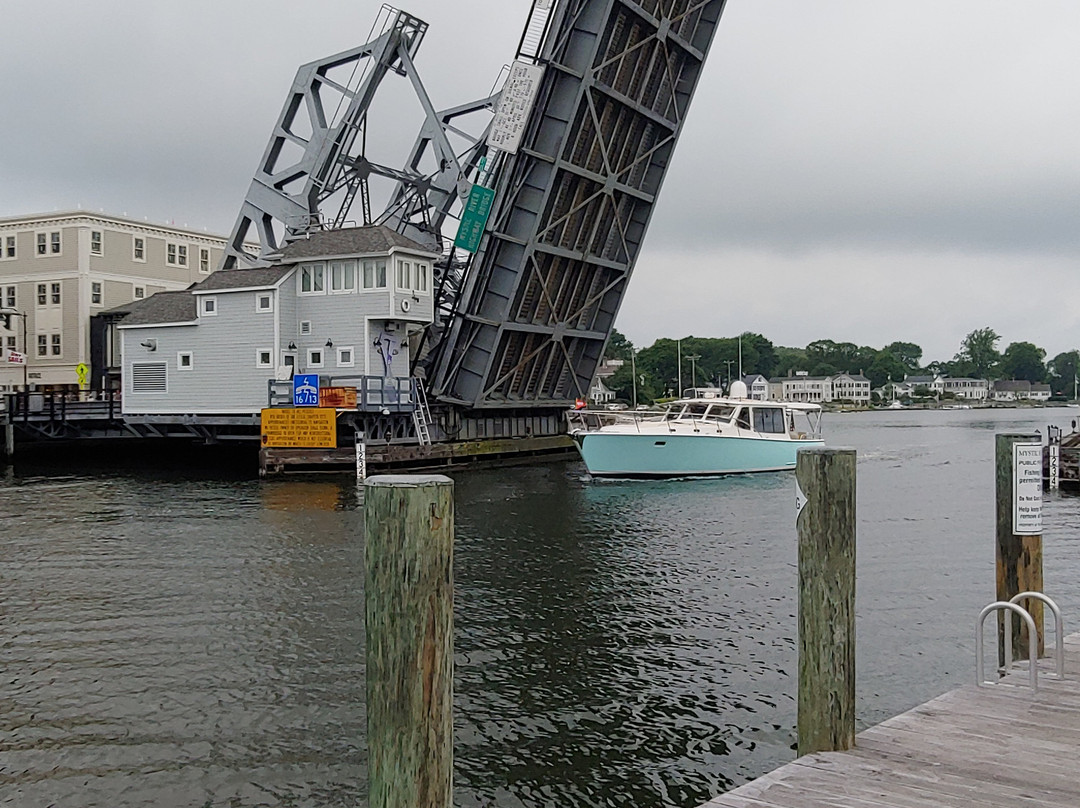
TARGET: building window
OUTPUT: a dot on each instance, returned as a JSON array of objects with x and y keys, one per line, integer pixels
[
  {"x": 375, "y": 273},
  {"x": 421, "y": 277},
  {"x": 138, "y": 248},
  {"x": 10, "y": 298},
  {"x": 342, "y": 276},
  {"x": 9, "y": 247},
  {"x": 345, "y": 356},
  {"x": 55, "y": 345},
  {"x": 140, "y": 292},
  {"x": 204, "y": 259},
  {"x": 55, "y": 294},
  {"x": 11, "y": 343},
  {"x": 263, "y": 358},
  {"x": 175, "y": 254},
  {"x": 404, "y": 275},
  {"x": 209, "y": 306},
  {"x": 42, "y": 294},
  {"x": 305, "y": 327},
  {"x": 42, "y": 243},
  {"x": 149, "y": 377},
  {"x": 95, "y": 293},
  {"x": 312, "y": 279},
  {"x": 42, "y": 345},
  {"x": 54, "y": 242},
  {"x": 184, "y": 360},
  {"x": 314, "y": 357},
  {"x": 96, "y": 247},
  {"x": 264, "y": 302}
]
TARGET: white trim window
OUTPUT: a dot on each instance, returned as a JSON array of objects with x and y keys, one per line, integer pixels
[
  {"x": 10, "y": 248},
  {"x": 54, "y": 293},
  {"x": 49, "y": 243},
  {"x": 204, "y": 260},
  {"x": 374, "y": 274},
  {"x": 342, "y": 277},
  {"x": 315, "y": 357},
  {"x": 422, "y": 275},
  {"x": 208, "y": 306},
  {"x": 138, "y": 249},
  {"x": 56, "y": 345},
  {"x": 42, "y": 294},
  {"x": 312, "y": 279},
  {"x": 149, "y": 377},
  {"x": 185, "y": 360},
  {"x": 97, "y": 245},
  {"x": 96, "y": 293},
  {"x": 139, "y": 292},
  {"x": 404, "y": 275},
  {"x": 176, "y": 254},
  {"x": 346, "y": 356},
  {"x": 264, "y": 302},
  {"x": 11, "y": 297},
  {"x": 42, "y": 344},
  {"x": 264, "y": 358}
]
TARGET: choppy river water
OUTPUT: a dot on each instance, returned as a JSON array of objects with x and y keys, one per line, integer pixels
[{"x": 196, "y": 639}]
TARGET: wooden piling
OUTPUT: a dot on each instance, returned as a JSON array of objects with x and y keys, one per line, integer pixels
[
  {"x": 1019, "y": 555},
  {"x": 409, "y": 615},
  {"x": 826, "y": 530}
]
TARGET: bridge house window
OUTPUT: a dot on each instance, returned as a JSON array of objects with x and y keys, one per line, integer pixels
[
  {"x": 342, "y": 276},
  {"x": 375, "y": 273},
  {"x": 313, "y": 279}
]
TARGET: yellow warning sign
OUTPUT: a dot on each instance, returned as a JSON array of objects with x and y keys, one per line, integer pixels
[{"x": 299, "y": 428}]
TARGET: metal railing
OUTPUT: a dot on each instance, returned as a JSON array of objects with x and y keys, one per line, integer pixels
[{"x": 1013, "y": 607}]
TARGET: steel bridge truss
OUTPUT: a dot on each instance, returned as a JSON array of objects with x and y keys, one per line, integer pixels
[
  {"x": 572, "y": 206},
  {"x": 316, "y": 166}
]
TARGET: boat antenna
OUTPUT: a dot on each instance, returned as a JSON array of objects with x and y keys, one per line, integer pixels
[{"x": 740, "y": 356}]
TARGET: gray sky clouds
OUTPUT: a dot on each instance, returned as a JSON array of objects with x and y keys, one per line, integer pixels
[{"x": 855, "y": 170}]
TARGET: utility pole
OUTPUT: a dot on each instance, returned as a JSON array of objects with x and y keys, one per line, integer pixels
[
  {"x": 693, "y": 368},
  {"x": 729, "y": 363},
  {"x": 678, "y": 353},
  {"x": 633, "y": 373}
]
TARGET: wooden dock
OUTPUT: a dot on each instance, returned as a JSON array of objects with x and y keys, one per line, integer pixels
[{"x": 999, "y": 747}]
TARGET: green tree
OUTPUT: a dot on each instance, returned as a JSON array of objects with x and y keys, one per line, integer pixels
[
  {"x": 618, "y": 347},
  {"x": 1063, "y": 372},
  {"x": 885, "y": 366},
  {"x": 978, "y": 356},
  {"x": 908, "y": 353},
  {"x": 1023, "y": 360}
]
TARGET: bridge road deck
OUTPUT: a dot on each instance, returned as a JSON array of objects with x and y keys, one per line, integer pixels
[{"x": 999, "y": 746}]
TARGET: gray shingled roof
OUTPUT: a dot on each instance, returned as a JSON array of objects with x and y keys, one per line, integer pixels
[
  {"x": 256, "y": 278},
  {"x": 163, "y": 307},
  {"x": 349, "y": 241}
]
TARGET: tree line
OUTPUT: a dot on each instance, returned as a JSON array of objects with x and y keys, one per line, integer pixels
[{"x": 714, "y": 361}]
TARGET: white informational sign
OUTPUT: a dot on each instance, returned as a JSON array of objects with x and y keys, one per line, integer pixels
[
  {"x": 800, "y": 500},
  {"x": 1027, "y": 489},
  {"x": 16, "y": 358},
  {"x": 515, "y": 105},
  {"x": 1054, "y": 476},
  {"x": 361, "y": 459}
]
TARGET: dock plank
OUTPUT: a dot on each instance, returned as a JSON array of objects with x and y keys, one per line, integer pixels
[{"x": 998, "y": 747}]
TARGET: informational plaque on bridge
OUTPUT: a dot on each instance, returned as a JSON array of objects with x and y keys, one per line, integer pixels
[
  {"x": 515, "y": 105},
  {"x": 1027, "y": 489},
  {"x": 299, "y": 428}
]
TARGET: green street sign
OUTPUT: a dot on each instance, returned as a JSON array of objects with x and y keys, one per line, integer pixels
[{"x": 474, "y": 218}]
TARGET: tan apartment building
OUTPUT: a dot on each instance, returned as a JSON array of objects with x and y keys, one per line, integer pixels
[{"x": 58, "y": 270}]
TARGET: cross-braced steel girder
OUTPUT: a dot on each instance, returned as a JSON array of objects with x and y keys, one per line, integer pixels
[
  {"x": 573, "y": 205},
  {"x": 317, "y": 163}
]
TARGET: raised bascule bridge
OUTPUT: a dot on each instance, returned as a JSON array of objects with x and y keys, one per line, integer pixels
[{"x": 533, "y": 201}]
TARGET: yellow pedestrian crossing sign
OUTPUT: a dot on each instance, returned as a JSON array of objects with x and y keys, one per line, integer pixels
[{"x": 81, "y": 370}]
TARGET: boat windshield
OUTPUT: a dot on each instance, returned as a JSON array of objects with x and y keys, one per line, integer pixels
[{"x": 700, "y": 411}]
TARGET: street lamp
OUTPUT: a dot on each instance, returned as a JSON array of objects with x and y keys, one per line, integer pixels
[{"x": 7, "y": 314}]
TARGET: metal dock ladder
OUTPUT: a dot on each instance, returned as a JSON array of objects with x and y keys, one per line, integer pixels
[{"x": 422, "y": 415}]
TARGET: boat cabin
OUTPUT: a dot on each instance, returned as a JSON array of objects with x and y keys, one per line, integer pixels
[{"x": 764, "y": 418}]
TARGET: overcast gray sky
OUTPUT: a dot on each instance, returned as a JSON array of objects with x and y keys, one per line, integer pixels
[{"x": 856, "y": 170}]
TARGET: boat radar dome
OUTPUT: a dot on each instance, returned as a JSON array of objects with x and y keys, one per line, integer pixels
[{"x": 738, "y": 389}]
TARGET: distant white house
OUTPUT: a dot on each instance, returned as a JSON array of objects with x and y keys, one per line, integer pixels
[
  {"x": 757, "y": 387},
  {"x": 342, "y": 304},
  {"x": 600, "y": 393},
  {"x": 852, "y": 387},
  {"x": 969, "y": 389},
  {"x": 1020, "y": 390}
]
